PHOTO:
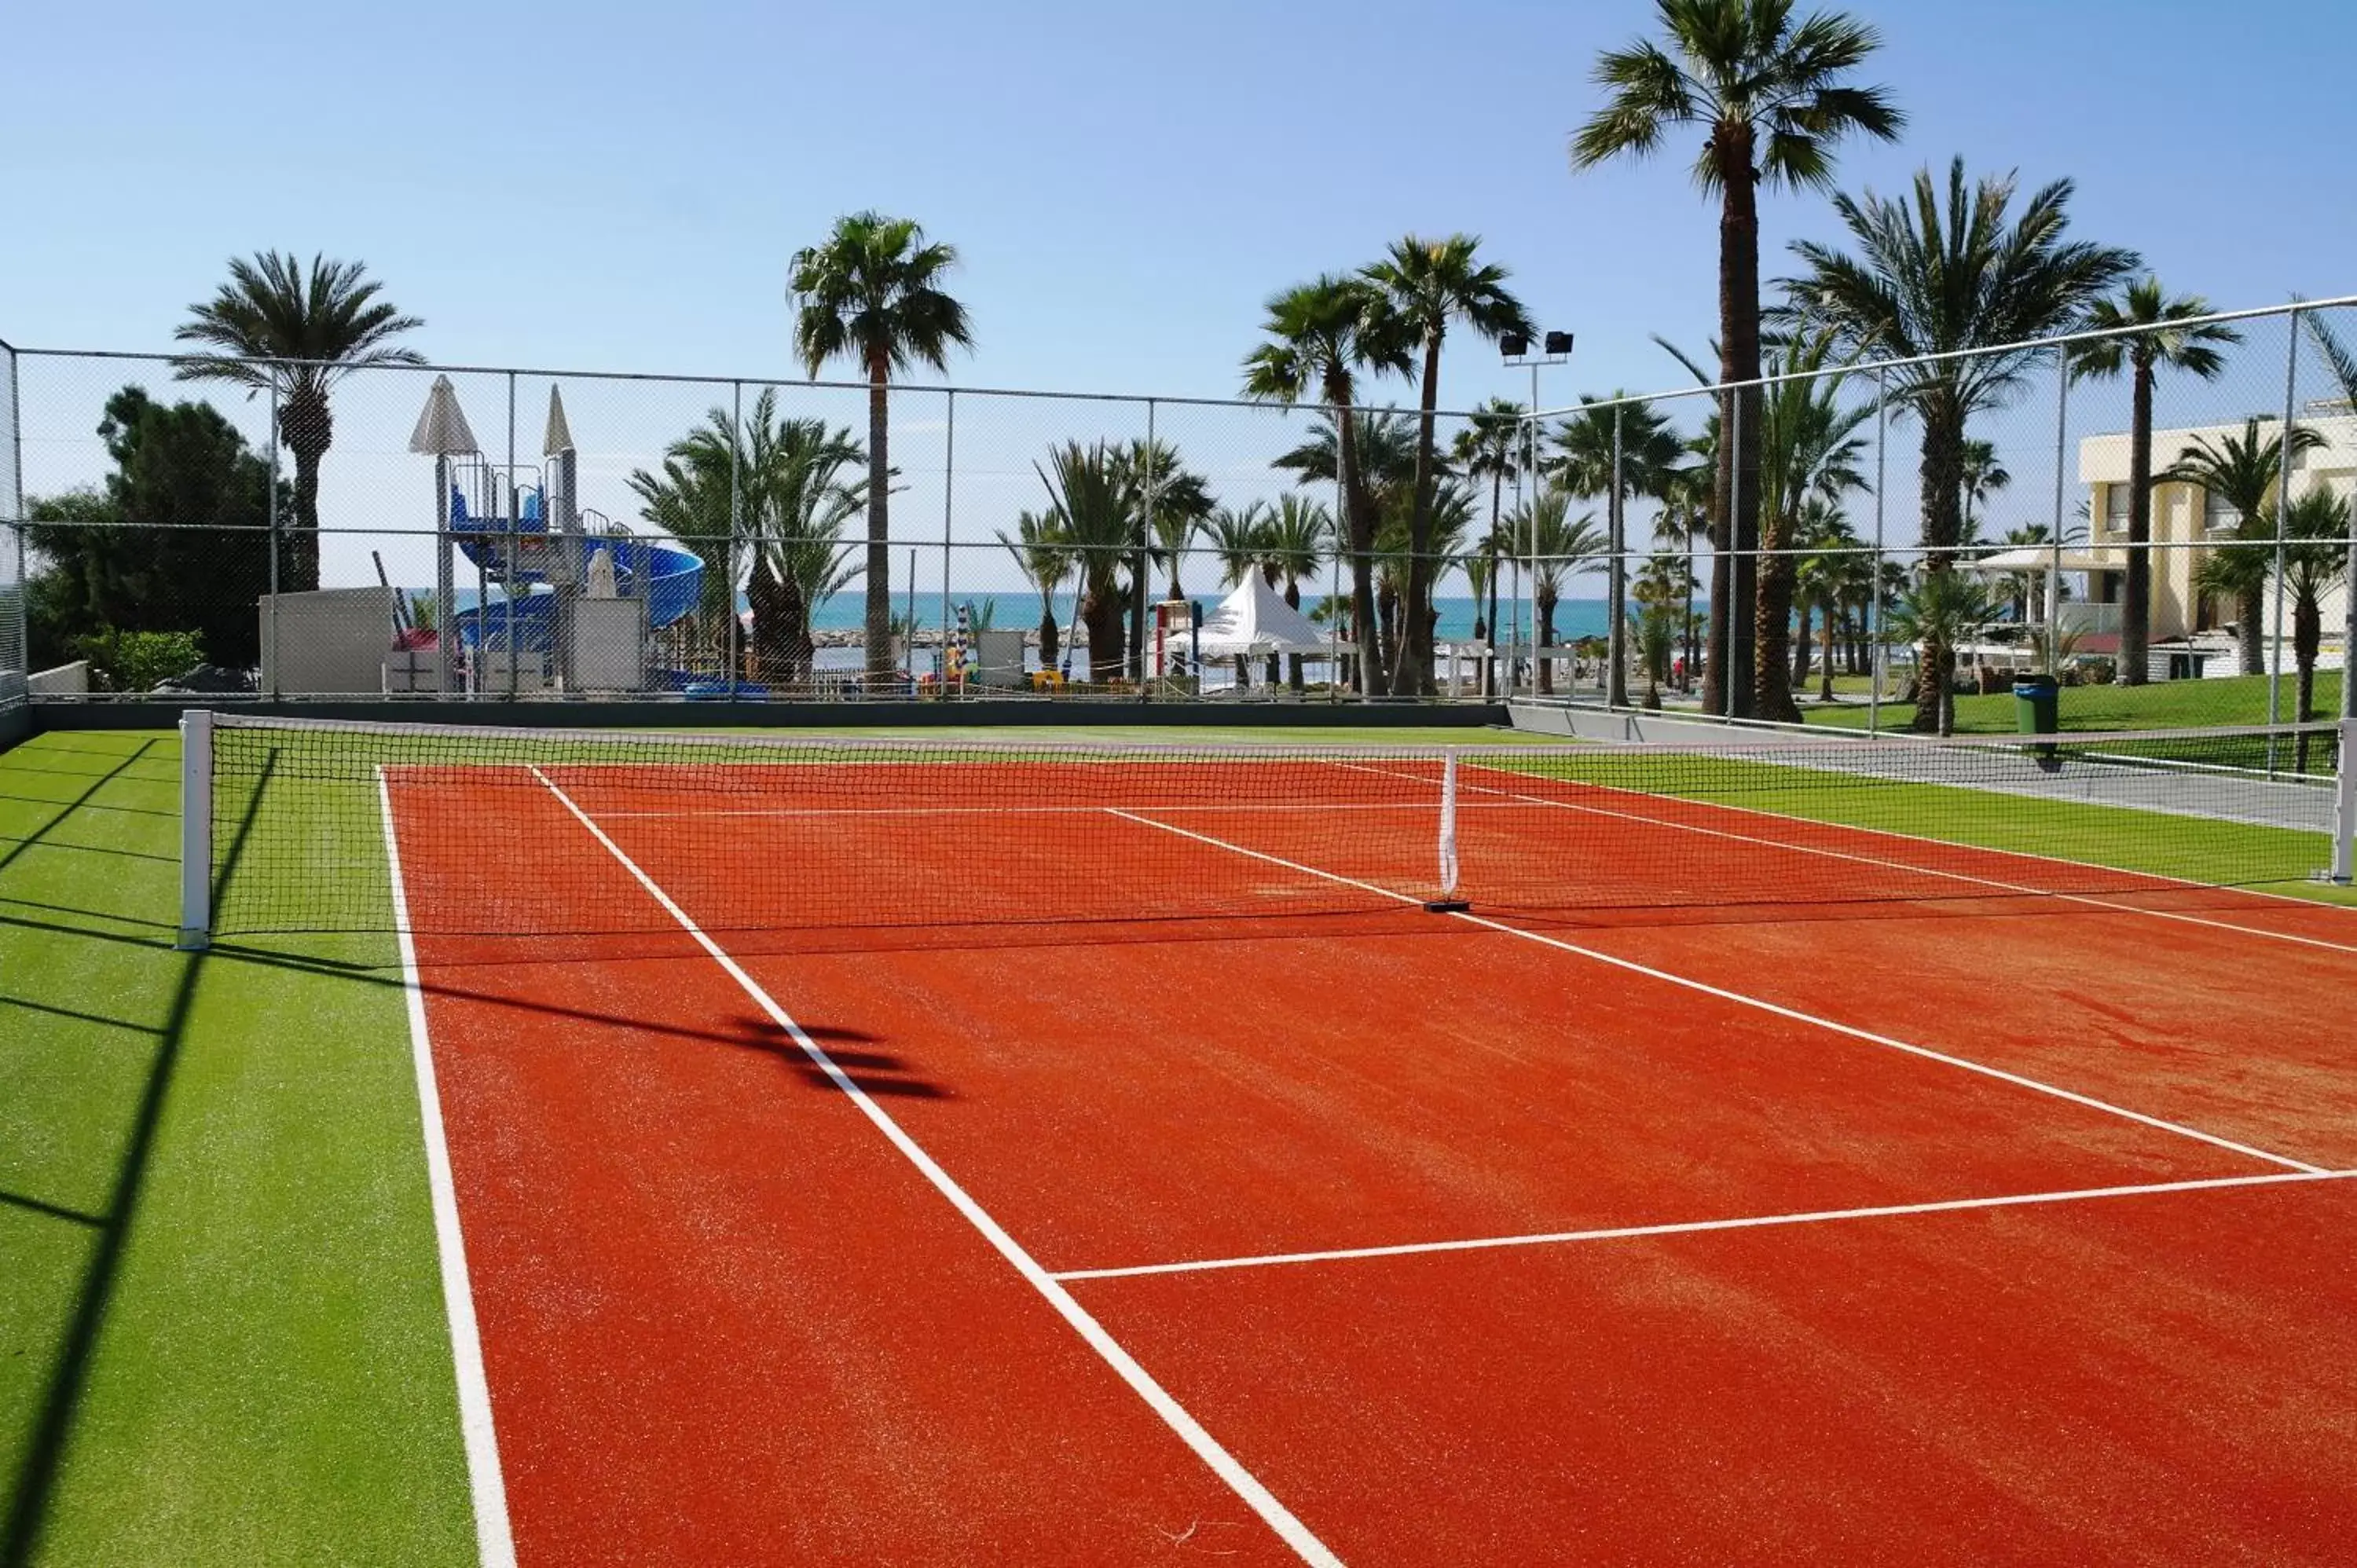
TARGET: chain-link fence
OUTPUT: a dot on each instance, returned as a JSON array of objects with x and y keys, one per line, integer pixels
[
  {"x": 440, "y": 534},
  {"x": 2109, "y": 511}
]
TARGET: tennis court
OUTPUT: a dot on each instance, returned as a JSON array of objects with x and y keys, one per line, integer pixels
[{"x": 954, "y": 1152}]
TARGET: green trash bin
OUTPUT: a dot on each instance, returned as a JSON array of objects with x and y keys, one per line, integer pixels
[{"x": 2034, "y": 701}]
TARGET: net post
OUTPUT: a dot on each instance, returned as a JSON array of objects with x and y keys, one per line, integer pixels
[
  {"x": 196, "y": 830},
  {"x": 2344, "y": 813},
  {"x": 1449, "y": 902}
]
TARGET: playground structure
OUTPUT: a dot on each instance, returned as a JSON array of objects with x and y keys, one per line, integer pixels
[{"x": 579, "y": 596}]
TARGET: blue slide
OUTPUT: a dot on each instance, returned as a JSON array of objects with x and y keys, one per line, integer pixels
[{"x": 669, "y": 580}]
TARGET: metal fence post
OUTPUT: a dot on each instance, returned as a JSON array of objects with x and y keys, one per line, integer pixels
[
  {"x": 1874, "y": 576},
  {"x": 196, "y": 829},
  {"x": 2344, "y": 809},
  {"x": 735, "y": 527},
  {"x": 2054, "y": 568},
  {"x": 949, "y": 488},
  {"x": 2283, "y": 521},
  {"x": 515, "y": 505},
  {"x": 1616, "y": 588},
  {"x": 1144, "y": 568},
  {"x": 270, "y": 655},
  {"x": 1738, "y": 636}
]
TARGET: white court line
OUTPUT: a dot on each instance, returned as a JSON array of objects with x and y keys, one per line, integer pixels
[
  {"x": 494, "y": 1542},
  {"x": 1910, "y": 866},
  {"x": 1694, "y": 1226},
  {"x": 1048, "y": 810},
  {"x": 1761, "y": 1003},
  {"x": 1243, "y": 1482}
]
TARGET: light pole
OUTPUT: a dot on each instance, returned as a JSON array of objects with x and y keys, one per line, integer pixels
[{"x": 1555, "y": 348}]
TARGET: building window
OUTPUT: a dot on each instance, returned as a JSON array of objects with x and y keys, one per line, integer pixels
[
  {"x": 2115, "y": 507},
  {"x": 2218, "y": 516}
]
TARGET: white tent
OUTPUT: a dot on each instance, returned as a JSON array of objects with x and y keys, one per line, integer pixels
[
  {"x": 2039, "y": 557},
  {"x": 1256, "y": 620}
]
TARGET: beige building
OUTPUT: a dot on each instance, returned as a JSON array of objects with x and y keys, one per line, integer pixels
[{"x": 2183, "y": 519}]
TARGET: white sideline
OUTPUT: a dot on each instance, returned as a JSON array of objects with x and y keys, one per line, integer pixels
[
  {"x": 1761, "y": 1003},
  {"x": 1693, "y": 1227},
  {"x": 494, "y": 1541},
  {"x": 1910, "y": 866},
  {"x": 1243, "y": 1482}
]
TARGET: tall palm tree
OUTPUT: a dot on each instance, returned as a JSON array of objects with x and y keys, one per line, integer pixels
[
  {"x": 871, "y": 294},
  {"x": 1560, "y": 545},
  {"x": 1321, "y": 336},
  {"x": 2244, "y": 471},
  {"x": 1300, "y": 530},
  {"x": 2162, "y": 333},
  {"x": 1095, "y": 516},
  {"x": 1621, "y": 452},
  {"x": 1773, "y": 95},
  {"x": 1934, "y": 277},
  {"x": 1980, "y": 475},
  {"x": 317, "y": 324},
  {"x": 1041, "y": 555},
  {"x": 1430, "y": 283},
  {"x": 1941, "y": 610},
  {"x": 1490, "y": 447}
]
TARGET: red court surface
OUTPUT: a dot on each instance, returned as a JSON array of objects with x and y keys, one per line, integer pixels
[{"x": 1950, "y": 1224}]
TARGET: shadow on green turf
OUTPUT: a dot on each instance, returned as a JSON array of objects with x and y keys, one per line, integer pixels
[{"x": 29, "y": 1499}]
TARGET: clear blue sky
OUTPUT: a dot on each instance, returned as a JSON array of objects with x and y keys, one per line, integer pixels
[{"x": 601, "y": 186}]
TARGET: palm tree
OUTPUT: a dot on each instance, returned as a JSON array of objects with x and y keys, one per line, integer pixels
[
  {"x": 1429, "y": 283},
  {"x": 2158, "y": 331},
  {"x": 317, "y": 324},
  {"x": 1299, "y": 532},
  {"x": 1321, "y": 336},
  {"x": 1980, "y": 476},
  {"x": 1932, "y": 278},
  {"x": 1382, "y": 445},
  {"x": 1618, "y": 452},
  {"x": 1809, "y": 453},
  {"x": 1559, "y": 543},
  {"x": 1490, "y": 447},
  {"x": 2244, "y": 471},
  {"x": 781, "y": 481},
  {"x": 1772, "y": 96},
  {"x": 1941, "y": 610},
  {"x": 1822, "y": 583},
  {"x": 1174, "y": 502},
  {"x": 1041, "y": 555},
  {"x": 2315, "y": 558},
  {"x": 871, "y": 294},
  {"x": 1095, "y": 516}
]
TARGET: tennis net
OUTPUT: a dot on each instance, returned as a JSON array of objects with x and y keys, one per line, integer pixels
[{"x": 300, "y": 825}]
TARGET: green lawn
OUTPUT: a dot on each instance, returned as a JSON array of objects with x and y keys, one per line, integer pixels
[
  {"x": 222, "y": 1333},
  {"x": 2163, "y": 705}
]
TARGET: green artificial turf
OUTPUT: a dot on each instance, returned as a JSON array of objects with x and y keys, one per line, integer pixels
[
  {"x": 221, "y": 1331},
  {"x": 2161, "y": 704}
]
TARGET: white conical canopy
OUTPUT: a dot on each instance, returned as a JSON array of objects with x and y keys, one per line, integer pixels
[
  {"x": 560, "y": 434},
  {"x": 1257, "y": 620},
  {"x": 602, "y": 574},
  {"x": 442, "y": 428}
]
